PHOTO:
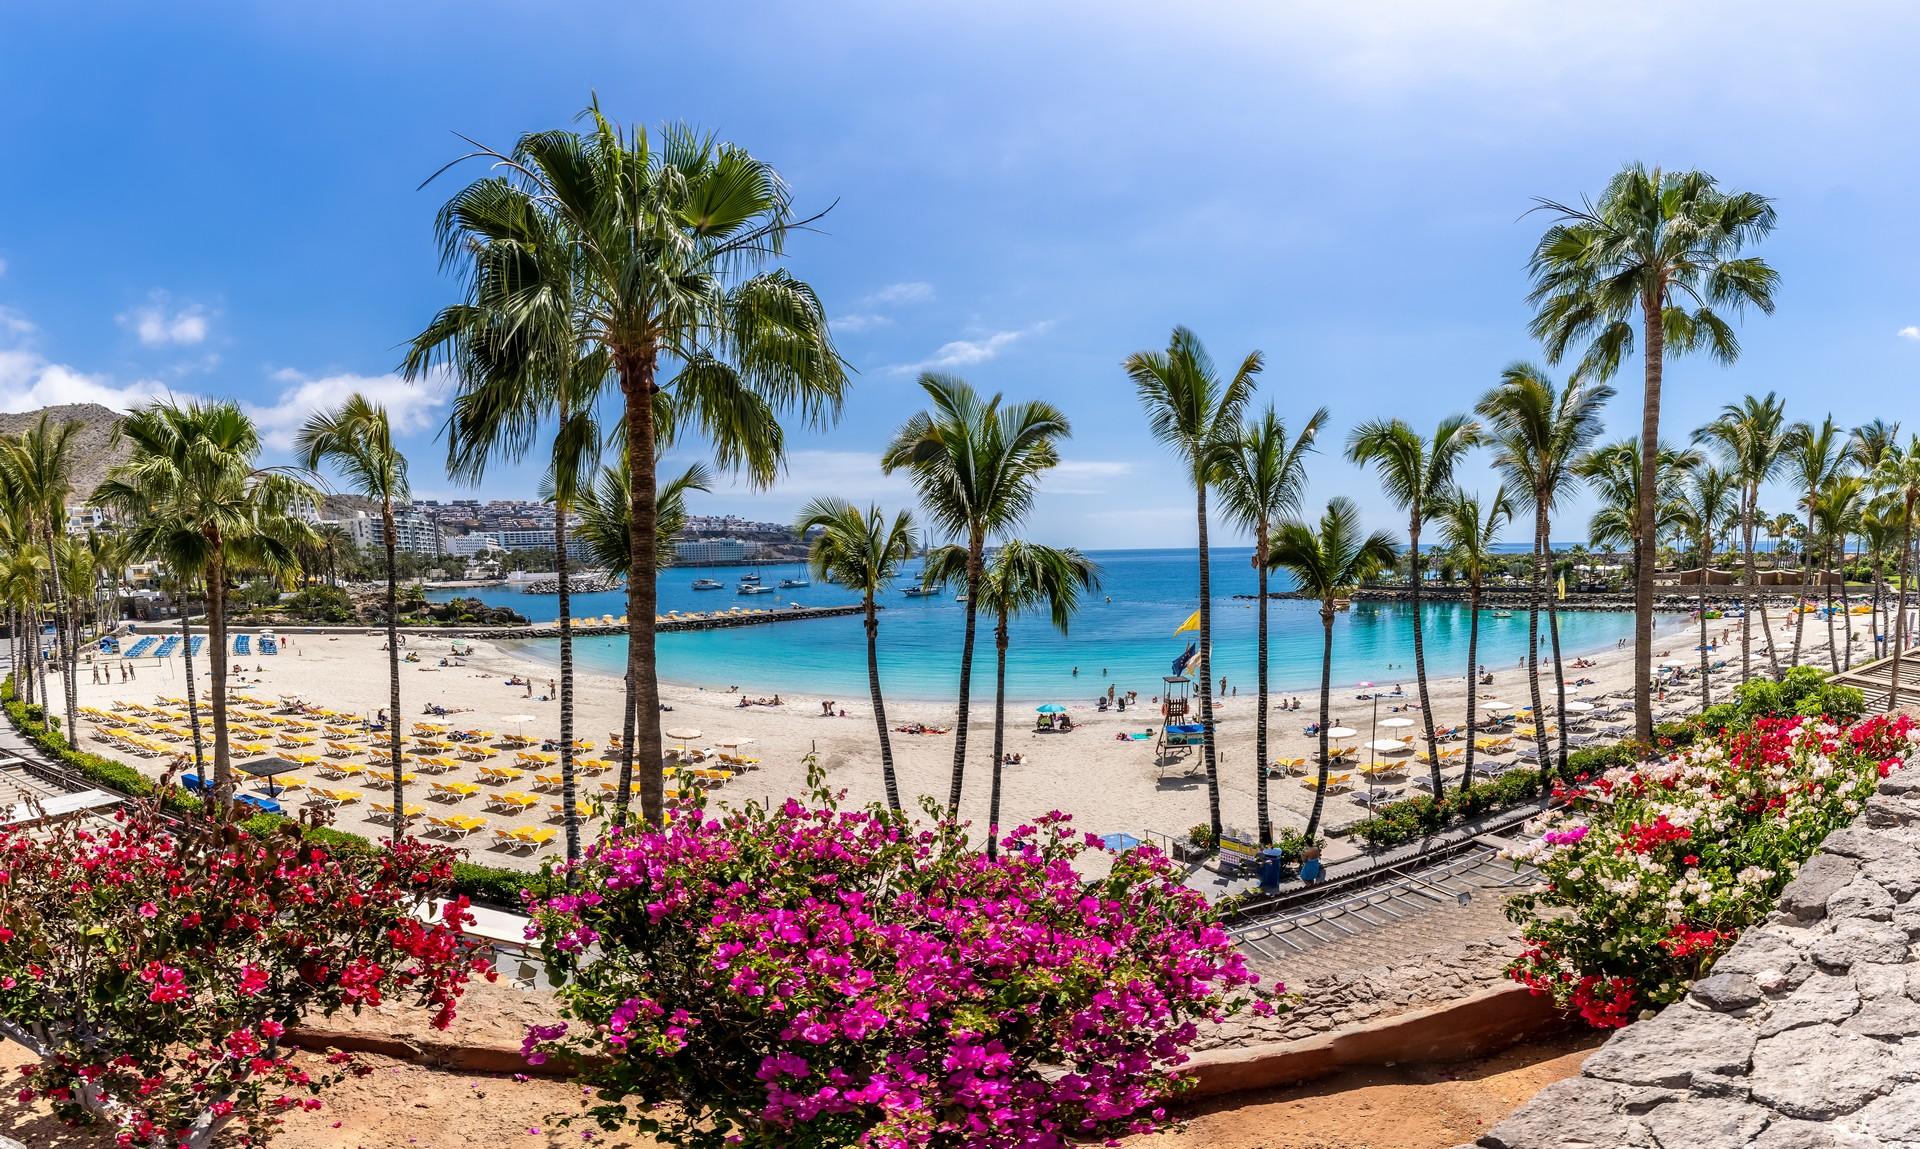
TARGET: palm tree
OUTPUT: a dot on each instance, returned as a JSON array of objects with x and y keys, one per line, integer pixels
[
  {"x": 1899, "y": 475},
  {"x": 1612, "y": 473},
  {"x": 357, "y": 440},
  {"x": 862, "y": 551},
  {"x": 976, "y": 464},
  {"x": 604, "y": 527},
  {"x": 1752, "y": 438},
  {"x": 1836, "y": 512},
  {"x": 1540, "y": 434},
  {"x": 1195, "y": 412},
  {"x": 1815, "y": 455},
  {"x": 191, "y": 476},
  {"x": 1021, "y": 578},
  {"x": 1706, "y": 502},
  {"x": 1416, "y": 473},
  {"x": 1881, "y": 524},
  {"x": 1263, "y": 478},
  {"x": 1870, "y": 441},
  {"x": 1327, "y": 561},
  {"x": 665, "y": 247},
  {"x": 1665, "y": 248},
  {"x": 1468, "y": 529},
  {"x": 39, "y": 464}
]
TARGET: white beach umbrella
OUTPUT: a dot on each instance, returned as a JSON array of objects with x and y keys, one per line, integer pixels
[
  {"x": 732, "y": 743},
  {"x": 519, "y": 718},
  {"x": 1341, "y": 732},
  {"x": 1577, "y": 706},
  {"x": 682, "y": 734},
  {"x": 1396, "y": 723},
  {"x": 1386, "y": 746},
  {"x": 1495, "y": 706}
]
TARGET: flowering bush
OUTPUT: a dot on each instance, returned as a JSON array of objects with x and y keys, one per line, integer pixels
[
  {"x": 155, "y": 969},
  {"x": 1651, "y": 870},
  {"x": 806, "y": 976}
]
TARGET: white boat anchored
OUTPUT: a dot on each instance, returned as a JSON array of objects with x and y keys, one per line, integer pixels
[
  {"x": 754, "y": 588},
  {"x": 922, "y": 591},
  {"x": 708, "y": 584}
]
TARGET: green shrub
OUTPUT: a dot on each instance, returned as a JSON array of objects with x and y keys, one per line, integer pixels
[{"x": 325, "y": 605}]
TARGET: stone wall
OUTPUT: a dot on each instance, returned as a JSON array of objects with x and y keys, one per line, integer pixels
[{"x": 1806, "y": 1035}]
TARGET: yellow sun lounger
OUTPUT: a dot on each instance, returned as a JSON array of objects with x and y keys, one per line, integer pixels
[
  {"x": 438, "y": 764},
  {"x": 592, "y": 765},
  {"x": 456, "y": 825},
  {"x": 383, "y": 811},
  {"x": 331, "y": 798},
  {"x": 1290, "y": 765},
  {"x": 1335, "y": 782},
  {"x": 511, "y": 801},
  {"x": 454, "y": 791},
  {"x": 549, "y": 781},
  {"x": 338, "y": 770},
  {"x": 474, "y": 752},
  {"x": 524, "y": 837},
  {"x": 500, "y": 774}
]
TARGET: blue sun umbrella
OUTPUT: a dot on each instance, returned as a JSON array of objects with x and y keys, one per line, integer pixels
[{"x": 1051, "y": 708}]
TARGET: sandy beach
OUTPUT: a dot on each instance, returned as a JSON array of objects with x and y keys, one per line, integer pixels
[{"x": 1109, "y": 783}]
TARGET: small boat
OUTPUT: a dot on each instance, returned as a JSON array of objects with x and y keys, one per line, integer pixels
[
  {"x": 753, "y": 578},
  {"x": 922, "y": 591},
  {"x": 708, "y": 584},
  {"x": 790, "y": 583},
  {"x": 1503, "y": 614},
  {"x": 754, "y": 588},
  {"x": 961, "y": 597}
]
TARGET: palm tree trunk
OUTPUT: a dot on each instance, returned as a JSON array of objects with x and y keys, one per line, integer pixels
[
  {"x": 393, "y": 668},
  {"x": 1537, "y": 591},
  {"x": 1651, "y": 308},
  {"x": 999, "y": 733},
  {"x": 63, "y": 647},
  {"x": 976, "y": 560},
  {"x": 193, "y": 706},
  {"x": 217, "y": 660},
  {"x": 1879, "y": 630},
  {"x": 569, "y": 812},
  {"x": 627, "y": 715},
  {"x": 1260, "y": 716},
  {"x": 1559, "y": 670},
  {"x": 1706, "y": 682},
  {"x": 1806, "y": 572},
  {"x": 1826, "y": 563},
  {"x": 1207, "y": 751},
  {"x": 1473, "y": 674},
  {"x": 1900, "y": 608},
  {"x": 887, "y": 777},
  {"x": 643, "y": 687},
  {"x": 1420, "y": 652},
  {"x": 1326, "y": 703},
  {"x": 1846, "y": 611}
]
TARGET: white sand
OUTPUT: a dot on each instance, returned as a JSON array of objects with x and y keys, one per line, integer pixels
[{"x": 1108, "y": 785}]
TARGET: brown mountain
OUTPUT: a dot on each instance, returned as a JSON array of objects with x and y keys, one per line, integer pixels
[{"x": 94, "y": 448}]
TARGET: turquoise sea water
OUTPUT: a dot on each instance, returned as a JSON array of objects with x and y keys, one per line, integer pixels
[{"x": 1128, "y": 641}]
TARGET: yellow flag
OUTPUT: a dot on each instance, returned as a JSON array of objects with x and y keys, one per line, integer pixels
[
  {"x": 1192, "y": 623},
  {"x": 1563, "y": 588}
]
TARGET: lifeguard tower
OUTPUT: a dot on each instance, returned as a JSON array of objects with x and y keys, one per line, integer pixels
[{"x": 1176, "y": 729}]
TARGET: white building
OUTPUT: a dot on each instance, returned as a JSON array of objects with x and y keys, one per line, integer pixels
[
  {"x": 698, "y": 552},
  {"x": 414, "y": 533},
  {"x": 82, "y": 518}
]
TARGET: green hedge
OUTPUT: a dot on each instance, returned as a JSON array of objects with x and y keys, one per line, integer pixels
[
  {"x": 490, "y": 884},
  {"x": 1802, "y": 690}
]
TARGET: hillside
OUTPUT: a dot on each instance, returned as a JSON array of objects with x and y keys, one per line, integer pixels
[{"x": 94, "y": 449}]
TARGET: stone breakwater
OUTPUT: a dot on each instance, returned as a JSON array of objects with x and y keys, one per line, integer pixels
[
  {"x": 1806, "y": 1034},
  {"x": 719, "y": 620}
]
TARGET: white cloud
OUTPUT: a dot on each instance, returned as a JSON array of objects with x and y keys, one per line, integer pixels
[
  {"x": 1909, "y": 332},
  {"x": 894, "y": 294},
  {"x": 410, "y": 406},
  {"x": 13, "y": 323},
  {"x": 968, "y": 352},
  {"x": 1085, "y": 477},
  {"x": 159, "y": 324},
  {"x": 3, "y": 267},
  {"x": 853, "y": 324},
  {"x": 29, "y": 382}
]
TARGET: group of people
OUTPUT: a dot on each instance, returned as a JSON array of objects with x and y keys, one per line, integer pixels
[
  {"x": 746, "y": 702},
  {"x": 832, "y": 710}
]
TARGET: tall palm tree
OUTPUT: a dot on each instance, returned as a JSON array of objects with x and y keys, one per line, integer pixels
[
  {"x": 605, "y": 523},
  {"x": 1612, "y": 473},
  {"x": 192, "y": 473},
  {"x": 862, "y": 551},
  {"x": 1540, "y": 433},
  {"x": 1899, "y": 475},
  {"x": 40, "y": 463},
  {"x": 356, "y": 439},
  {"x": 1665, "y": 248},
  {"x": 1815, "y": 454},
  {"x": 1706, "y": 501},
  {"x": 976, "y": 463},
  {"x": 1328, "y": 560},
  {"x": 1882, "y": 522},
  {"x": 1021, "y": 578},
  {"x": 1752, "y": 438},
  {"x": 1870, "y": 441},
  {"x": 1836, "y": 512},
  {"x": 668, "y": 241},
  {"x": 1417, "y": 474},
  {"x": 1468, "y": 529},
  {"x": 1263, "y": 478},
  {"x": 1193, "y": 410}
]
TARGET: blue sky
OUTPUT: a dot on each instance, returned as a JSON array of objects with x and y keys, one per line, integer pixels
[{"x": 222, "y": 200}]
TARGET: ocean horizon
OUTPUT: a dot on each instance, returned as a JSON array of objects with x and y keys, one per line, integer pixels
[{"x": 1123, "y": 635}]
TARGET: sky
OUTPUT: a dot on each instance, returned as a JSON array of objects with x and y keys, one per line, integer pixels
[{"x": 225, "y": 200}]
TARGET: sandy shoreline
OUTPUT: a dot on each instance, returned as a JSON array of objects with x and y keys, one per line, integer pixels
[{"x": 1108, "y": 783}]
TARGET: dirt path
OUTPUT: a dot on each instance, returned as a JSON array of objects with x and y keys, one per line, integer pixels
[{"x": 401, "y": 1106}]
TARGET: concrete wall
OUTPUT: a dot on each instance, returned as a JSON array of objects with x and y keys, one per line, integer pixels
[{"x": 1806, "y": 1035}]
